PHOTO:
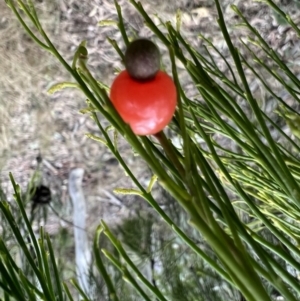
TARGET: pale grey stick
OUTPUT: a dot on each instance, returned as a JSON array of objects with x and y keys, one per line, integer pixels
[{"x": 82, "y": 250}]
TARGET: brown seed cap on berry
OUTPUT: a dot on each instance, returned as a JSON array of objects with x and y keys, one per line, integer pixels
[{"x": 142, "y": 59}]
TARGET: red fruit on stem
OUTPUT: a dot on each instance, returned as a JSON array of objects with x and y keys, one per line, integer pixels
[{"x": 147, "y": 106}]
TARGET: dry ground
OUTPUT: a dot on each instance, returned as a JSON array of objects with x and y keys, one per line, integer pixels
[{"x": 33, "y": 122}]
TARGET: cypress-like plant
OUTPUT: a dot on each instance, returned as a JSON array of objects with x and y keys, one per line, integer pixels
[{"x": 234, "y": 233}]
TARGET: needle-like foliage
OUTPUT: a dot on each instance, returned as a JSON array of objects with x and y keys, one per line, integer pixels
[{"x": 240, "y": 207}]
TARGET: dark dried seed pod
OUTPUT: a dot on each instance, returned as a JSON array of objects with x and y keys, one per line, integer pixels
[
  {"x": 142, "y": 59},
  {"x": 41, "y": 194}
]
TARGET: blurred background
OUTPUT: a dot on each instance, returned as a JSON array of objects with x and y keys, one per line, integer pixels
[{"x": 35, "y": 125}]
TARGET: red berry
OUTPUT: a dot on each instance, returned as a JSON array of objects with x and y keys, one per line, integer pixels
[{"x": 147, "y": 106}]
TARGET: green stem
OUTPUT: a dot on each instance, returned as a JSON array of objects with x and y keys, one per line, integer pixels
[{"x": 170, "y": 151}]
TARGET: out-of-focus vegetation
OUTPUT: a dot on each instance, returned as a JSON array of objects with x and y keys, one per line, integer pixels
[{"x": 231, "y": 167}]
